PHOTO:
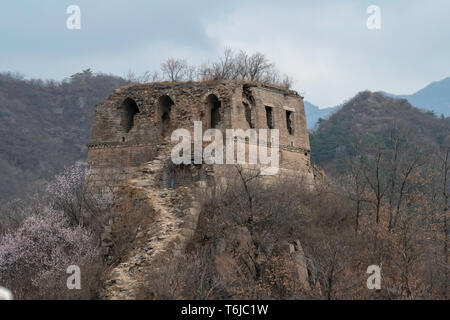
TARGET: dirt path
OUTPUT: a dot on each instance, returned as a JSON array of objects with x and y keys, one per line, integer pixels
[{"x": 160, "y": 240}]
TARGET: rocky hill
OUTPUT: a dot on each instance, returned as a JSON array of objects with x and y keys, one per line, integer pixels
[
  {"x": 366, "y": 117},
  {"x": 435, "y": 98}
]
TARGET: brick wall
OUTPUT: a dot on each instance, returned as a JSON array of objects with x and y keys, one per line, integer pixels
[{"x": 119, "y": 144}]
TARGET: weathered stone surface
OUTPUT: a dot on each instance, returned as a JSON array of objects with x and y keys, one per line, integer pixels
[
  {"x": 130, "y": 155},
  {"x": 299, "y": 259},
  {"x": 129, "y": 128}
]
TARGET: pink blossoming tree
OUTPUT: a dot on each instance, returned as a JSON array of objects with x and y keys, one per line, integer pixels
[{"x": 35, "y": 256}]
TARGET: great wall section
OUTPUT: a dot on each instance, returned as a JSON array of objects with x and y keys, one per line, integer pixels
[{"x": 130, "y": 156}]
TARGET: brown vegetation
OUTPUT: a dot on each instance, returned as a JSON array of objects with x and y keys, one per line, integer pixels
[{"x": 390, "y": 210}]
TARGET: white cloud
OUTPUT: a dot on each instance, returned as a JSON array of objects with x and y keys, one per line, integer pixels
[
  {"x": 327, "y": 48},
  {"x": 324, "y": 44}
]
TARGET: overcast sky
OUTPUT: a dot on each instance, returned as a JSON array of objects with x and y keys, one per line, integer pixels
[{"x": 324, "y": 45}]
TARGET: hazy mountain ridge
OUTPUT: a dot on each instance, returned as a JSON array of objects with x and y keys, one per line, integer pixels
[
  {"x": 314, "y": 113},
  {"x": 367, "y": 117},
  {"x": 434, "y": 97}
]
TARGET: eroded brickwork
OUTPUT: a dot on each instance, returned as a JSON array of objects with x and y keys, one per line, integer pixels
[
  {"x": 130, "y": 156},
  {"x": 131, "y": 124}
]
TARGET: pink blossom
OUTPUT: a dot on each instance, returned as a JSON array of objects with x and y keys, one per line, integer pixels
[{"x": 37, "y": 254}]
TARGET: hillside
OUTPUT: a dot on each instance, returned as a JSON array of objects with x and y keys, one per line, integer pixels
[
  {"x": 45, "y": 126},
  {"x": 366, "y": 118},
  {"x": 255, "y": 239},
  {"x": 434, "y": 97}
]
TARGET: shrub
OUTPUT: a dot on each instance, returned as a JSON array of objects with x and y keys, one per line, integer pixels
[{"x": 34, "y": 258}]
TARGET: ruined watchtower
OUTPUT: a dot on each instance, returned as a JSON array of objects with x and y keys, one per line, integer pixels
[{"x": 133, "y": 124}]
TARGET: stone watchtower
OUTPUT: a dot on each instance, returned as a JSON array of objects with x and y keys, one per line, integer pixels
[
  {"x": 129, "y": 157},
  {"x": 135, "y": 122}
]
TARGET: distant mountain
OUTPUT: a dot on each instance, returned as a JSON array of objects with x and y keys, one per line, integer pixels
[
  {"x": 314, "y": 113},
  {"x": 434, "y": 97},
  {"x": 367, "y": 117},
  {"x": 45, "y": 126}
]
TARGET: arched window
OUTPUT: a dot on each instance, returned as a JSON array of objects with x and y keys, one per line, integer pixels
[
  {"x": 165, "y": 106},
  {"x": 129, "y": 111},
  {"x": 214, "y": 105}
]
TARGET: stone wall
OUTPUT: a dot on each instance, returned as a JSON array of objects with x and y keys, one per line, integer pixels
[
  {"x": 135, "y": 122},
  {"x": 129, "y": 155},
  {"x": 258, "y": 97}
]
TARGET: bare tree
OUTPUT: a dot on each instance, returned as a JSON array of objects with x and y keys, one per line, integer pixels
[
  {"x": 174, "y": 69},
  {"x": 246, "y": 177},
  {"x": 241, "y": 62},
  {"x": 191, "y": 73},
  {"x": 188, "y": 276},
  {"x": 356, "y": 185},
  {"x": 223, "y": 69},
  {"x": 328, "y": 259},
  {"x": 147, "y": 76},
  {"x": 445, "y": 171},
  {"x": 131, "y": 76},
  {"x": 229, "y": 66},
  {"x": 242, "y": 66},
  {"x": 258, "y": 67},
  {"x": 402, "y": 164},
  {"x": 376, "y": 180},
  {"x": 287, "y": 82}
]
